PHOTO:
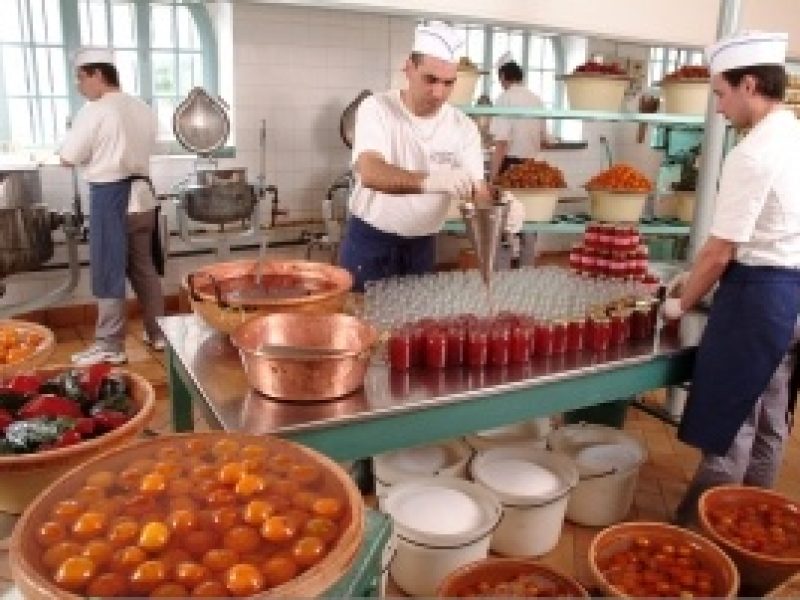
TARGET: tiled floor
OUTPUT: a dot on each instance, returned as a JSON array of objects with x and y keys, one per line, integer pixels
[{"x": 661, "y": 481}]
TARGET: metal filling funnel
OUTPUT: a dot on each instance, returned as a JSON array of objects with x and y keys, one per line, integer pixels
[{"x": 484, "y": 225}]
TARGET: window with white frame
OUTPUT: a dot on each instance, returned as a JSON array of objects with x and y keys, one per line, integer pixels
[
  {"x": 666, "y": 60},
  {"x": 163, "y": 48}
]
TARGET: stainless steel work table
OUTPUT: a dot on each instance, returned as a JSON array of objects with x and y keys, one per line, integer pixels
[{"x": 396, "y": 410}]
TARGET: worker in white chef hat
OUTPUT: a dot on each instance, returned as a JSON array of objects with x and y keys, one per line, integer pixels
[
  {"x": 111, "y": 140},
  {"x": 413, "y": 155},
  {"x": 739, "y": 404}
]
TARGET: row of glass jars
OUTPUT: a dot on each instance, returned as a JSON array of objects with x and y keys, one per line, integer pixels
[
  {"x": 611, "y": 238},
  {"x": 610, "y": 265},
  {"x": 469, "y": 341}
]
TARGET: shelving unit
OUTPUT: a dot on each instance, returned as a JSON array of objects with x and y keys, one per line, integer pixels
[{"x": 684, "y": 121}]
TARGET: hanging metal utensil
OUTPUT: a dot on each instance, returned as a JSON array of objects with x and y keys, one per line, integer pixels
[
  {"x": 347, "y": 122},
  {"x": 201, "y": 123}
]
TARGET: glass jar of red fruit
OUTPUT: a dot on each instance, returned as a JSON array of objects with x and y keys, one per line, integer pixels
[{"x": 400, "y": 349}]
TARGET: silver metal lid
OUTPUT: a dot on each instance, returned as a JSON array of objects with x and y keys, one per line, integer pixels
[{"x": 201, "y": 123}]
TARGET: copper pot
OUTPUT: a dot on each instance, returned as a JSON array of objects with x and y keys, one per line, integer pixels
[
  {"x": 228, "y": 294},
  {"x": 305, "y": 378}
]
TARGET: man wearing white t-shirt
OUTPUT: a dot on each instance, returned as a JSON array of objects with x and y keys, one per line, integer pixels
[
  {"x": 112, "y": 138},
  {"x": 738, "y": 409},
  {"x": 413, "y": 154},
  {"x": 514, "y": 139}
]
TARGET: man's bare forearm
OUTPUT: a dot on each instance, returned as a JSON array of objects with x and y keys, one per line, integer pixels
[
  {"x": 711, "y": 262},
  {"x": 378, "y": 175},
  {"x": 498, "y": 154}
]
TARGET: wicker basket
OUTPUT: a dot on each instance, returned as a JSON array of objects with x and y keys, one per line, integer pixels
[
  {"x": 40, "y": 356},
  {"x": 23, "y": 476}
]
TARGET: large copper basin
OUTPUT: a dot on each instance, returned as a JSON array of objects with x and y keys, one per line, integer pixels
[
  {"x": 228, "y": 294},
  {"x": 303, "y": 378}
]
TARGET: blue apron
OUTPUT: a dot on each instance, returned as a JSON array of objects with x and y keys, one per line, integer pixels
[
  {"x": 749, "y": 330},
  {"x": 370, "y": 254},
  {"x": 108, "y": 237}
]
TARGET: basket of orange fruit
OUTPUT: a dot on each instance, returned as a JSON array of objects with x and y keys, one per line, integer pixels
[
  {"x": 536, "y": 184},
  {"x": 618, "y": 194},
  {"x": 192, "y": 515},
  {"x": 23, "y": 346}
]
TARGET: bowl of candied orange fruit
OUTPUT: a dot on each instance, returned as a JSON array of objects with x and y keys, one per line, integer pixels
[
  {"x": 758, "y": 528},
  {"x": 536, "y": 184},
  {"x": 509, "y": 578},
  {"x": 192, "y": 515},
  {"x": 640, "y": 559},
  {"x": 618, "y": 194},
  {"x": 23, "y": 345}
]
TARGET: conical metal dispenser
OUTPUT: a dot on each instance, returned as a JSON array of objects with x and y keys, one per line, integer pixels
[{"x": 485, "y": 224}]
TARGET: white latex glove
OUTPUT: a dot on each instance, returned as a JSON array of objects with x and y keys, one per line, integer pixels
[
  {"x": 676, "y": 283},
  {"x": 672, "y": 308},
  {"x": 516, "y": 213},
  {"x": 453, "y": 182}
]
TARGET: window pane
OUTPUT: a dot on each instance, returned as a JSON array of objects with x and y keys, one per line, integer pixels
[
  {"x": 16, "y": 74},
  {"x": 535, "y": 53},
  {"x": 188, "y": 37},
  {"x": 127, "y": 63},
  {"x": 548, "y": 88},
  {"x": 549, "y": 55},
  {"x": 37, "y": 20},
  {"x": 48, "y": 116},
  {"x": 161, "y": 26},
  {"x": 123, "y": 23},
  {"x": 43, "y": 71},
  {"x": 475, "y": 45},
  {"x": 52, "y": 13},
  {"x": 19, "y": 116},
  {"x": 94, "y": 22},
  {"x": 9, "y": 24},
  {"x": 164, "y": 74},
  {"x": 515, "y": 46},
  {"x": 164, "y": 109},
  {"x": 190, "y": 72}
]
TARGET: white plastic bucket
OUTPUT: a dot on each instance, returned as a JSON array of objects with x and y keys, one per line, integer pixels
[
  {"x": 595, "y": 92},
  {"x": 440, "y": 524},
  {"x": 540, "y": 204},
  {"x": 686, "y": 97},
  {"x": 616, "y": 207},
  {"x": 533, "y": 433},
  {"x": 533, "y": 487},
  {"x": 464, "y": 87},
  {"x": 608, "y": 462},
  {"x": 448, "y": 458}
]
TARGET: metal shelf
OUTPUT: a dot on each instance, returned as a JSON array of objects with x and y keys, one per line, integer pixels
[{"x": 689, "y": 121}]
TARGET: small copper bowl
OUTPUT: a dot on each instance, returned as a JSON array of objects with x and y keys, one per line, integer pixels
[{"x": 305, "y": 378}]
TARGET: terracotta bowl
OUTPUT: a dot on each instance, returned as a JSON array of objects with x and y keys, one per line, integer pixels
[
  {"x": 23, "y": 476},
  {"x": 227, "y": 294},
  {"x": 760, "y": 572},
  {"x": 31, "y": 575},
  {"x": 501, "y": 570},
  {"x": 40, "y": 356},
  {"x": 624, "y": 536}
]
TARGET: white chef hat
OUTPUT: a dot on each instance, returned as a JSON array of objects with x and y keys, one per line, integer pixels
[
  {"x": 746, "y": 49},
  {"x": 439, "y": 40},
  {"x": 87, "y": 56},
  {"x": 504, "y": 59}
]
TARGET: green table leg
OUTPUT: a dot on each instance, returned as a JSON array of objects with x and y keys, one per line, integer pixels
[
  {"x": 182, "y": 415},
  {"x": 363, "y": 578}
]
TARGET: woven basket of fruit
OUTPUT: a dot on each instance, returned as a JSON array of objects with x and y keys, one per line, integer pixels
[
  {"x": 54, "y": 419},
  {"x": 686, "y": 90},
  {"x": 536, "y": 184},
  {"x": 596, "y": 86},
  {"x": 23, "y": 346},
  {"x": 618, "y": 194}
]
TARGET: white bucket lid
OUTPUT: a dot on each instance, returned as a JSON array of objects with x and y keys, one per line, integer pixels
[
  {"x": 608, "y": 458},
  {"x": 420, "y": 460},
  {"x": 442, "y": 510},
  {"x": 519, "y": 477},
  {"x": 576, "y": 439}
]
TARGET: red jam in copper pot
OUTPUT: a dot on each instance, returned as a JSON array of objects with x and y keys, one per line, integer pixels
[{"x": 400, "y": 350}]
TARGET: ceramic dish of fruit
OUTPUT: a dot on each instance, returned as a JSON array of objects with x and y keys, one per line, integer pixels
[
  {"x": 53, "y": 419},
  {"x": 531, "y": 174},
  {"x": 23, "y": 346},
  {"x": 202, "y": 514},
  {"x": 620, "y": 178}
]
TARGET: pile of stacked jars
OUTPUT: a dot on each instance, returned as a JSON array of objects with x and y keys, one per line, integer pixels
[
  {"x": 611, "y": 252},
  {"x": 510, "y": 338}
]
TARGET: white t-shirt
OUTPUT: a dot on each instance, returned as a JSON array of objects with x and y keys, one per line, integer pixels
[
  {"x": 113, "y": 138},
  {"x": 449, "y": 139},
  {"x": 524, "y": 136},
  {"x": 758, "y": 203}
]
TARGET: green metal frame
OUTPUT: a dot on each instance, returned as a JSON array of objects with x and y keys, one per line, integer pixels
[
  {"x": 382, "y": 433},
  {"x": 457, "y": 226},
  {"x": 587, "y": 115}
]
